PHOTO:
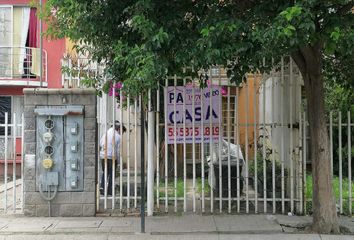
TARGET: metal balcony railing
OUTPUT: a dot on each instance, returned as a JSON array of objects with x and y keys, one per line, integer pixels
[
  {"x": 22, "y": 66},
  {"x": 77, "y": 69}
]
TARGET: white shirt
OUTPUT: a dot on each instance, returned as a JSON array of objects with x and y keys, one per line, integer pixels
[{"x": 110, "y": 138}]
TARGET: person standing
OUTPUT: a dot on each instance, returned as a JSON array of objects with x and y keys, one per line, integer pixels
[{"x": 109, "y": 149}]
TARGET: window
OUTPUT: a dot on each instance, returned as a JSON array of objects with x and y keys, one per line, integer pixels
[
  {"x": 12, "y": 105},
  {"x": 18, "y": 40},
  {"x": 5, "y": 106}
]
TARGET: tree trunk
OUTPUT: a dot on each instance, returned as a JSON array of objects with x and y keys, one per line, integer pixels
[{"x": 324, "y": 209}]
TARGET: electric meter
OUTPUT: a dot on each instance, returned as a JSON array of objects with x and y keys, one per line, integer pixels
[
  {"x": 48, "y": 137},
  {"x": 49, "y": 124},
  {"x": 48, "y": 150},
  {"x": 47, "y": 163}
]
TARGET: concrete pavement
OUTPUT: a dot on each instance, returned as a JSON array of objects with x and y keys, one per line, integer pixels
[{"x": 222, "y": 227}]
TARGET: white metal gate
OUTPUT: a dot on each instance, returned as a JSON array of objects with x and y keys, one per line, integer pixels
[
  {"x": 11, "y": 159},
  {"x": 259, "y": 123},
  {"x": 262, "y": 165}
]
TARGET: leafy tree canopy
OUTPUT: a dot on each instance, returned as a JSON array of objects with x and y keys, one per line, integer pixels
[{"x": 143, "y": 40}]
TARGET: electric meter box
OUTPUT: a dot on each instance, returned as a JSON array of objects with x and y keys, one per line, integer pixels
[{"x": 60, "y": 148}]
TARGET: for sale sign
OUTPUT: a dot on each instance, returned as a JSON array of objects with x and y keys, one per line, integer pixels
[{"x": 185, "y": 106}]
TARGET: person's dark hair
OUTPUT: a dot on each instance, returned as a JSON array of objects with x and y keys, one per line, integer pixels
[{"x": 117, "y": 126}]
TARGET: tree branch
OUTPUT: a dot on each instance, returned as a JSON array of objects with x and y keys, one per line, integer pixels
[{"x": 300, "y": 62}]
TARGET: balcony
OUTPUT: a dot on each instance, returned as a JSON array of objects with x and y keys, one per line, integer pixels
[
  {"x": 20, "y": 66},
  {"x": 76, "y": 69}
]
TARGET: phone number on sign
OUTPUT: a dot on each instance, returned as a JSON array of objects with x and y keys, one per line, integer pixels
[{"x": 188, "y": 131}]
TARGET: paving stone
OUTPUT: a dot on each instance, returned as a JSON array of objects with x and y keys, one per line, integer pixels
[
  {"x": 71, "y": 224},
  {"x": 26, "y": 226}
]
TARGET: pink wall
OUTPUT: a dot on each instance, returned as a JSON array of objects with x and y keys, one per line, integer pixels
[
  {"x": 8, "y": 91},
  {"x": 54, "y": 48}
]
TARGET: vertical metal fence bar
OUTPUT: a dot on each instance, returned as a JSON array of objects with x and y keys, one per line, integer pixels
[
  {"x": 150, "y": 154},
  {"x": 5, "y": 173},
  {"x": 220, "y": 146},
  {"x": 304, "y": 152},
  {"x": 331, "y": 138},
  {"x": 193, "y": 147},
  {"x": 300, "y": 182},
  {"x": 228, "y": 147},
  {"x": 121, "y": 153},
  {"x": 255, "y": 129},
  {"x": 272, "y": 128},
  {"x": 340, "y": 162},
  {"x": 158, "y": 146},
  {"x": 175, "y": 141},
  {"x": 238, "y": 153},
  {"x": 70, "y": 74},
  {"x": 220, "y": 140},
  {"x": 22, "y": 158},
  {"x": 291, "y": 82},
  {"x": 264, "y": 150},
  {"x": 136, "y": 157},
  {"x": 211, "y": 170},
  {"x": 98, "y": 120},
  {"x": 282, "y": 151},
  {"x": 105, "y": 158},
  {"x": 166, "y": 149},
  {"x": 202, "y": 148},
  {"x": 14, "y": 133},
  {"x": 246, "y": 147},
  {"x": 349, "y": 164},
  {"x": 128, "y": 152},
  {"x": 114, "y": 150},
  {"x": 184, "y": 149}
]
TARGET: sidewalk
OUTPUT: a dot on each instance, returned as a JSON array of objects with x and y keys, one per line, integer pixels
[{"x": 165, "y": 227}]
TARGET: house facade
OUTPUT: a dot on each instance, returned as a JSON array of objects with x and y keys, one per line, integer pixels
[{"x": 23, "y": 64}]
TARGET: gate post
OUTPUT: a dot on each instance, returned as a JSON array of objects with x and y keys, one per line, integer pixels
[{"x": 150, "y": 166}]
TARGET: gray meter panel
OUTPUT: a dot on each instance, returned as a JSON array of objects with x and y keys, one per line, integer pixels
[
  {"x": 49, "y": 137},
  {"x": 60, "y": 151},
  {"x": 74, "y": 152}
]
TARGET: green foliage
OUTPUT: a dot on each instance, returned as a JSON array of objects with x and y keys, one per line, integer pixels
[
  {"x": 336, "y": 188},
  {"x": 180, "y": 188},
  {"x": 142, "y": 41},
  {"x": 267, "y": 162}
]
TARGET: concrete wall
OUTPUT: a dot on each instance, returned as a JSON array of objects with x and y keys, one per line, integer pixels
[{"x": 65, "y": 203}]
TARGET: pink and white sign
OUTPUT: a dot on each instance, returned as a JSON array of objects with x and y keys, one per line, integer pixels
[{"x": 183, "y": 107}]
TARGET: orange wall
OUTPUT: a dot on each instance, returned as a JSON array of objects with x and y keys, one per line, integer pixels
[{"x": 246, "y": 112}]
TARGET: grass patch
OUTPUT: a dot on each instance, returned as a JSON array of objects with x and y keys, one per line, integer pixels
[
  {"x": 199, "y": 186},
  {"x": 180, "y": 188},
  {"x": 336, "y": 188}
]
